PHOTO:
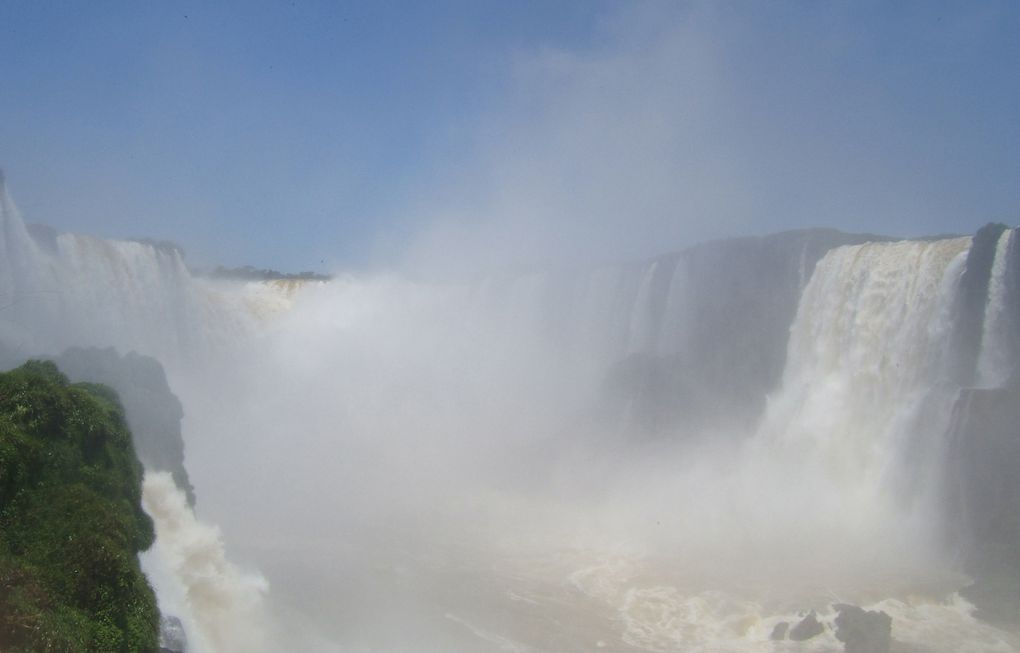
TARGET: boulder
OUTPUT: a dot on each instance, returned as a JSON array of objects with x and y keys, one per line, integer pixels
[
  {"x": 779, "y": 631},
  {"x": 863, "y": 631},
  {"x": 807, "y": 628}
]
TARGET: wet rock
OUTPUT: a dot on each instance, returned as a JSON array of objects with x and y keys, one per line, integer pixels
[
  {"x": 779, "y": 631},
  {"x": 171, "y": 635},
  {"x": 807, "y": 628},
  {"x": 863, "y": 631},
  {"x": 983, "y": 475}
]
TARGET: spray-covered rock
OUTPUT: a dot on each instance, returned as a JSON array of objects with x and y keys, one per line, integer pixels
[
  {"x": 863, "y": 631},
  {"x": 807, "y": 628}
]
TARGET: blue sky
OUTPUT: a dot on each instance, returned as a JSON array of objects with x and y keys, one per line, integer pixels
[{"x": 305, "y": 135}]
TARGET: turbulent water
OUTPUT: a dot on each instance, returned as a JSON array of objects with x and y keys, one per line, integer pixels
[
  {"x": 675, "y": 455},
  {"x": 188, "y": 567}
]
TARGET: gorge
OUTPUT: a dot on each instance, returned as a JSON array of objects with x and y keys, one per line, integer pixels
[{"x": 676, "y": 454}]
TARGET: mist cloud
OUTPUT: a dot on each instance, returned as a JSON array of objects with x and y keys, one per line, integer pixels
[{"x": 685, "y": 122}]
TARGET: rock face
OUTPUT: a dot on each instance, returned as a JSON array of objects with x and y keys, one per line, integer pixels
[
  {"x": 71, "y": 520},
  {"x": 807, "y": 628},
  {"x": 779, "y": 631},
  {"x": 153, "y": 412},
  {"x": 863, "y": 631},
  {"x": 984, "y": 475}
]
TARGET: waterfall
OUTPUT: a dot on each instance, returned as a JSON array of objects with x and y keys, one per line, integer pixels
[
  {"x": 69, "y": 290},
  {"x": 802, "y": 386},
  {"x": 994, "y": 364},
  {"x": 220, "y": 606},
  {"x": 19, "y": 253},
  {"x": 605, "y": 312},
  {"x": 80, "y": 290},
  {"x": 642, "y": 327},
  {"x": 23, "y": 277},
  {"x": 866, "y": 349},
  {"x": 677, "y": 315}
]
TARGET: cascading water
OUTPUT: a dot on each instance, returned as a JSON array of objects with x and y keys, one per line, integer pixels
[
  {"x": 407, "y": 465},
  {"x": 675, "y": 327},
  {"x": 220, "y": 606},
  {"x": 641, "y": 331},
  {"x": 77, "y": 290},
  {"x": 600, "y": 312},
  {"x": 815, "y": 509},
  {"x": 866, "y": 351},
  {"x": 994, "y": 360}
]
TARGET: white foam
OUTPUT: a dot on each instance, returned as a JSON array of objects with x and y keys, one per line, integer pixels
[{"x": 220, "y": 605}]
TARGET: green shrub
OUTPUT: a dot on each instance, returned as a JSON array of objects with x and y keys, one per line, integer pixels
[{"x": 71, "y": 521}]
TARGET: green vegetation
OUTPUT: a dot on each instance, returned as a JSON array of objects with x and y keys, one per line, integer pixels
[
  {"x": 249, "y": 273},
  {"x": 71, "y": 521}
]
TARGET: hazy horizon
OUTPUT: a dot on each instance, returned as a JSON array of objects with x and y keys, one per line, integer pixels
[{"x": 313, "y": 136}]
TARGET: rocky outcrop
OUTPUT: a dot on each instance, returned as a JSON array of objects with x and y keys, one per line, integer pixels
[
  {"x": 860, "y": 630},
  {"x": 983, "y": 487},
  {"x": 153, "y": 411},
  {"x": 806, "y": 628},
  {"x": 863, "y": 631},
  {"x": 779, "y": 631}
]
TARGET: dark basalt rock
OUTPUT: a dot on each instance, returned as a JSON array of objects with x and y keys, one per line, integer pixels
[
  {"x": 779, "y": 631},
  {"x": 982, "y": 493},
  {"x": 984, "y": 477},
  {"x": 863, "y": 631},
  {"x": 807, "y": 628}
]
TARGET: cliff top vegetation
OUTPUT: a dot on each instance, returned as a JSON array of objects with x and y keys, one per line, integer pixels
[{"x": 71, "y": 521}]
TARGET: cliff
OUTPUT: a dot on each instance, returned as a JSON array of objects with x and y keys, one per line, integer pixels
[
  {"x": 721, "y": 315},
  {"x": 983, "y": 463},
  {"x": 71, "y": 520},
  {"x": 984, "y": 475},
  {"x": 152, "y": 410},
  {"x": 983, "y": 492}
]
